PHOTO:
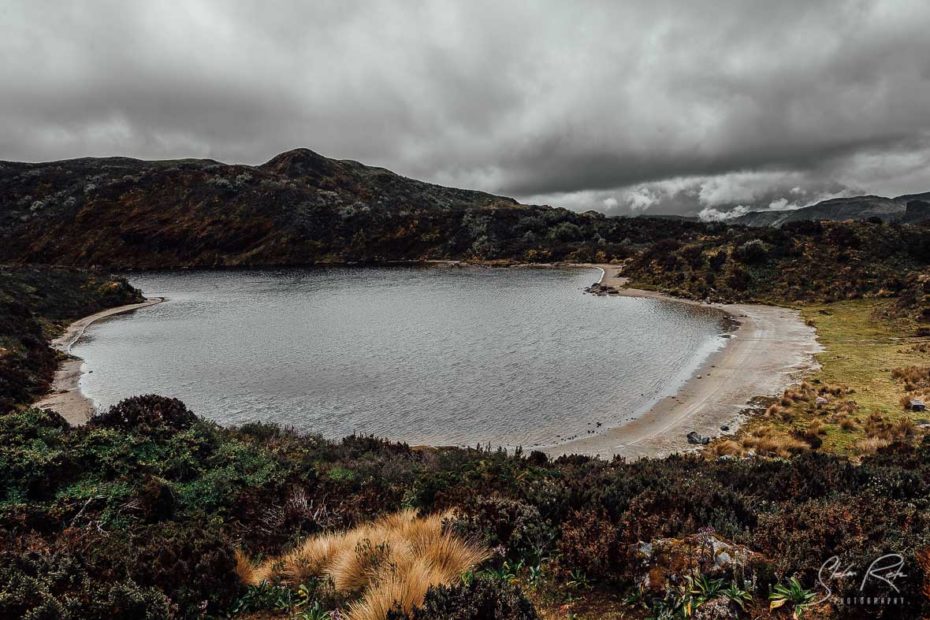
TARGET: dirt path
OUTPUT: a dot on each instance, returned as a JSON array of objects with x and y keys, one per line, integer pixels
[{"x": 65, "y": 396}]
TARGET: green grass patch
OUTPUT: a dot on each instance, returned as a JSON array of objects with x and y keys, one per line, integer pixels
[{"x": 862, "y": 347}]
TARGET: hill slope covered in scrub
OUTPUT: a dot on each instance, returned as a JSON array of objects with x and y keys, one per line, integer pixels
[
  {"x": 802, "y": 261},
  {"x": 300, "y": 208},
  {"x": 35, "y": 304},
  {"x": 140, "y": 515}
]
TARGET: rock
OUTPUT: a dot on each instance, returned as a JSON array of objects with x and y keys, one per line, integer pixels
[
  {"x": 821, "y": 401},
  {"x": 697, "y": 439},
  {"x": 665, "y": 562},
  {"x": 725, "y": 428},
  {"x": 719, "y": 608}
]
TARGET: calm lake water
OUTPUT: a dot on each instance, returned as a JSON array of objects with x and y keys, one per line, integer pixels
[{"x": 428, "y": 356}]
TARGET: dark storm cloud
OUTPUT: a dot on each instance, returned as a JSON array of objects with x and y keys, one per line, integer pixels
[{"x": 687, "y": 107}]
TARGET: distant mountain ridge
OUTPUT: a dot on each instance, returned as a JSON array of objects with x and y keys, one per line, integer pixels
[{"x": 908, "y": 209}]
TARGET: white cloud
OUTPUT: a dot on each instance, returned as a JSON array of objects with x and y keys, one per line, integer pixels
[
  {"x": 659, "y": 104},
  {"x": 710, "y": 214}
]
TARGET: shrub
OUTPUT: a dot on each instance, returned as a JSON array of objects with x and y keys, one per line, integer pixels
[
  {"x": 145, "y": 413},
  {"x": 739, "y": 279},
  {"x": 482, "y": 599},
  {"x": 588, "y": 542},
  {"x": 752, "y": 252},
  {"x": 509, "y": 524}
]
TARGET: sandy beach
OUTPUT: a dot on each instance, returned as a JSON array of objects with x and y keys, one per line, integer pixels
[
  {"x": 65, "y": 395},
  {"x": 770, "y": 349}
]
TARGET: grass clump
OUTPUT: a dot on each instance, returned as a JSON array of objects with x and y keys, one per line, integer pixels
[{"x": 389, "y": 562}]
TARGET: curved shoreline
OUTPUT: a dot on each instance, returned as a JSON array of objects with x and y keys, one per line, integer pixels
[
  {"x": 770, "y": 349},
  {"x": 65, "y": 395}
]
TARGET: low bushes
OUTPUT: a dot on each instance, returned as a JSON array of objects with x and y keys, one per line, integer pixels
[
  {"x": 145, "y": 414},
  {"x": 150, "y": 515},
  {"x": 803, "y": 261},
  {"x": 481, "y": 599}
]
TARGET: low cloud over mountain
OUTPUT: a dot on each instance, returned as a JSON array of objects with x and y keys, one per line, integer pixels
[{"x": 700, "y": 108}]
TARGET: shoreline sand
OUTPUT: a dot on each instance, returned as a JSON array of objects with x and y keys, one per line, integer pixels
[
  {"x": 771, "y": 349},
  {"x": 65, "y": 395}
]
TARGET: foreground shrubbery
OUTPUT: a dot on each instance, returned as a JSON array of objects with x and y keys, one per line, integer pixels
[{"x": 108, "y": 521}]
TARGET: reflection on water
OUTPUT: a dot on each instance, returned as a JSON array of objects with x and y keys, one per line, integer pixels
[{"x": 434, "y": 356}]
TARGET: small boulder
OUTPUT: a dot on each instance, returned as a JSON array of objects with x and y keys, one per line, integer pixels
[
  {"x": 718, "y": 608},
  {"x": 697, "y": 439}
]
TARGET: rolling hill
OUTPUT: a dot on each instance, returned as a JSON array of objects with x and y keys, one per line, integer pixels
[{"x": 299, "y": 208}]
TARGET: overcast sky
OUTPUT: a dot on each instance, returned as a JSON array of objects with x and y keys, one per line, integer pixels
[{"x": 626, "y": 107}]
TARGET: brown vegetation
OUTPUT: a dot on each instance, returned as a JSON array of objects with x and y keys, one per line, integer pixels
[
  {"x": 802, "y": 261},
  {"x": 388, "y": 562}
]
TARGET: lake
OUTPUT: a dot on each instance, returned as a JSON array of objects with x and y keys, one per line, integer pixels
[{"x": 436, "y": 356}]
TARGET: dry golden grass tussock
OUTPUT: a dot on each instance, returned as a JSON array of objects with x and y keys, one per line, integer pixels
[
  {"x": 771, "y": 443},
  {"x": 816, "y": 427},
  {"x": 773, "y": 410},
  {"x": 913, "y": 377},
  {"x": 394, "y": 559},
  {"x": 847, "y": 423},
  {"x": 725, "y": 447},
  {"x": 877, "y": 425},
  {"x": 406, "y": 587},
  {"x": 871, "y": 445}
]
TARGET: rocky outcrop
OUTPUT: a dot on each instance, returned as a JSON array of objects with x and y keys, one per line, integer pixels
[
  {"x": 602, "y": 289},
  {"x": 666, "y": 562}
]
